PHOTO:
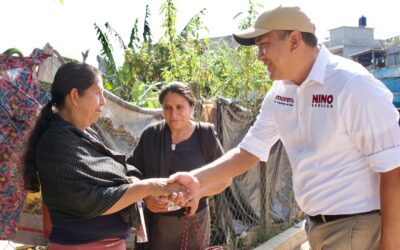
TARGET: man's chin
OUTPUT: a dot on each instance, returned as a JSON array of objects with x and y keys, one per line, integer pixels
[{"x": 276, "y": 78}]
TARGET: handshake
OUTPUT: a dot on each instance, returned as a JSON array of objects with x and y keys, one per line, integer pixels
[{"x": 180, "y": 190}]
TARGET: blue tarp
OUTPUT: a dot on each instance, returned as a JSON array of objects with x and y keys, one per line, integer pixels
[{"x": 390, "y": 76}]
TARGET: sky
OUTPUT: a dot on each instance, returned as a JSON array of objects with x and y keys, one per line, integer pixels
[{"x": 68, "y": 27}]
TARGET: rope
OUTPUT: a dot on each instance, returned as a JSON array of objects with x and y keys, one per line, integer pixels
[
  {"x": 185, "y": 235},
  {"x": 197, "y": 229}
]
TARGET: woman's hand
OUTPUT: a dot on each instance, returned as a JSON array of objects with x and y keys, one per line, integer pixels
[
  {"x": 140, "y": 189},
  {"x": 187, "y": 180},
  {"x": 157, "y": 204},
  {"x": 160, "y": 187},
  {"x": 164, "y": 194}
]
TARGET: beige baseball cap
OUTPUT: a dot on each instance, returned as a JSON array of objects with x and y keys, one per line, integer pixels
[{"x": 281, "y": 18}]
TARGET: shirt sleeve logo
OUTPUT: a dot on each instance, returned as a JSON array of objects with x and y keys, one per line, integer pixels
[
  {"x": 322, "y": 101},
  {"x": 288, "y": 101}
]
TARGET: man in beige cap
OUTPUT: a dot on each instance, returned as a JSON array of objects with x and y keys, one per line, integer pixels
[{"x": 340, "y": 130}]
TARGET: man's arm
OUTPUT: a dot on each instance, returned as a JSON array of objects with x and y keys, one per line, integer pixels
[
  {"x": 390, "y": 204},
  {"x": 213, "y": 177},
  {"x": 235, "y": 162}
]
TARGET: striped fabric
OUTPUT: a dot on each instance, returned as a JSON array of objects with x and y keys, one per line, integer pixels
[{"x": 80, "y": 177}]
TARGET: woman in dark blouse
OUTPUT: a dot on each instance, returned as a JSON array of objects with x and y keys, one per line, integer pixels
[
  {"x": 176, "y": 144},
  {"x": 84, "y": 184}
]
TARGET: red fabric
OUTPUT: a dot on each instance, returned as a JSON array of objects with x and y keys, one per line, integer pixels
[
  {"x": 106, "y": 244},
  {"x": 47, "y": 226}
]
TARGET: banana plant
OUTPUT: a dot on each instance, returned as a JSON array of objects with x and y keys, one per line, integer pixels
[
  {"x": 131, "y": 80},
  {"x": 108, "y": 58}
]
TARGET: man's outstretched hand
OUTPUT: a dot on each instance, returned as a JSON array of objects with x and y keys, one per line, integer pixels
[{"x": 192, "y": 186}]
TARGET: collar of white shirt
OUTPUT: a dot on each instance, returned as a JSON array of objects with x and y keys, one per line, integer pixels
[{"x": 317, "y": 73}]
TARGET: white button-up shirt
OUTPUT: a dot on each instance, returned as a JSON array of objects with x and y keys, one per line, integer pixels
[{"x": 339, "y": 128}]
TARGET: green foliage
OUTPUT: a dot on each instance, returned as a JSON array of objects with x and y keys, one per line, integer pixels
[
  {"x": 240, "y": 76},
  {"x": 251, "y": 15},
  {"x": 225, "y": 72},
  {"x": 133, "y": 39},
  {"x": 111, "y": 72}
]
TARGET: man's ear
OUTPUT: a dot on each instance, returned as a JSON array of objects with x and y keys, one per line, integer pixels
[{"x": 295, "y": 39}]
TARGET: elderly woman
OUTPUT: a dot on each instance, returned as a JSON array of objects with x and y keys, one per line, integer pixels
[
  {"x": 84, "y": 184},
  {"x": 177, "y": 144}
]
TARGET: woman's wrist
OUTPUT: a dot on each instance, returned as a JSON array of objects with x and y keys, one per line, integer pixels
[{"x": 148, "y": 186}]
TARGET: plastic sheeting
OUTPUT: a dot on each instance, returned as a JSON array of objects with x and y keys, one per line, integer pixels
[{"x": 121, "y": 123}]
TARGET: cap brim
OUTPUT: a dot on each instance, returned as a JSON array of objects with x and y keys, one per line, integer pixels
[{"x": 248, "y": 37}]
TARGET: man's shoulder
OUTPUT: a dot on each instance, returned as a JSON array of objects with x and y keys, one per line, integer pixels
[
  {"x": 345, "y": 67},
  {"x": 347, "y": 74}
]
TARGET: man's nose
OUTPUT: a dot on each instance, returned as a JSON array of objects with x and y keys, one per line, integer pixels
[{"x": 260, "y": 54}]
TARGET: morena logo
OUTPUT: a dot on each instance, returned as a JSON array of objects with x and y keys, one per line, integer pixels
[
  {"x": 322, "y": 101},
  {"x": 283, "y": 100}
]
